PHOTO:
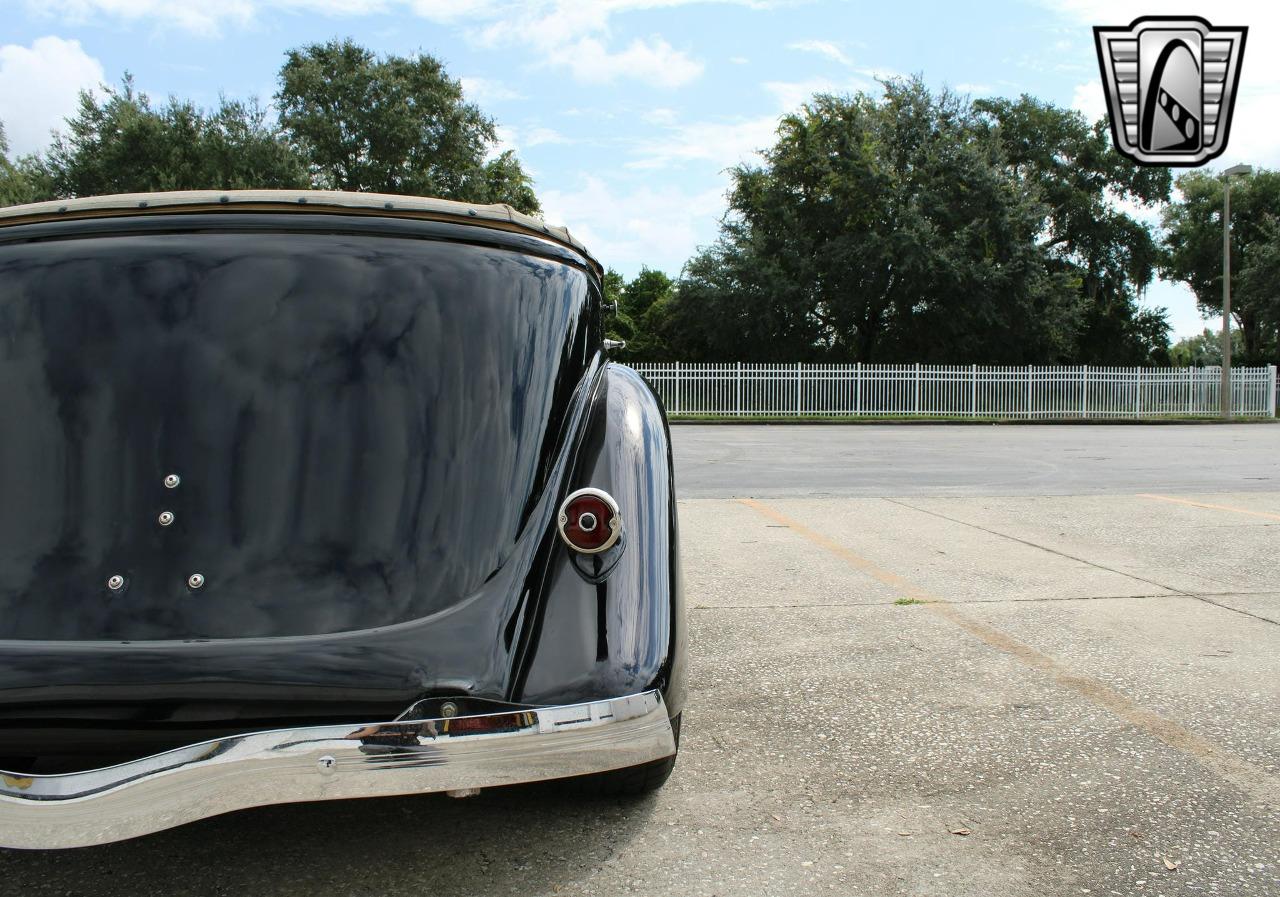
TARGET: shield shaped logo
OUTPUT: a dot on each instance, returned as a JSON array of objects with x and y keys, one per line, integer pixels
[{"x": 1171, "y": 86}]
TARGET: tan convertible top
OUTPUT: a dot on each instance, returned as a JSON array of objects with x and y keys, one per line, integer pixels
[{"x": 498, "y": 216}]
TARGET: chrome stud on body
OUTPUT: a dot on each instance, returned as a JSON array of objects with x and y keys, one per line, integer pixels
[
  {"x": 326, "y": 765},
  {"x": 115, "y": 583},
  {"x": 172, "y": 481},
  {"x": 195, "y": 580},
  {"x": 166, "y": 518}
]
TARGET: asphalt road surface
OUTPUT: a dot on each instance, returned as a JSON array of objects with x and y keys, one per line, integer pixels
[
  {"x": 728, "y": 460},
  {"x": 1001, "y": 673}
]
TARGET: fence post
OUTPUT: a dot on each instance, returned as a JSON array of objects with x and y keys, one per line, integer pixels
[
  {"x": 1138, "y": 403},
  {"x": 1271, "y": 388},
  {"x": 676, "y": 389},
  {"x": 973, "y": 391},
  {"x": 1028, "y": 392},
  {"x": 739, "y": 399},
  {"x": 799, "y": 365},
  {"x": 858, "y": 389},
  {"x": 916, "y": 408},
  {"x": 1084, "y": 393}
]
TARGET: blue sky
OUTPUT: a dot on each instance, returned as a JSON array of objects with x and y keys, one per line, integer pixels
[{"x": 627, "y": 112}]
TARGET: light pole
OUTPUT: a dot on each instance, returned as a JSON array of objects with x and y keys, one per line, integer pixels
[{"x": 1224, "y": 391}]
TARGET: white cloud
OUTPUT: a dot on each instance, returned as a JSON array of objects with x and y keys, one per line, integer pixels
[
  {"x": 654, "y": 61},
  {"x": 208, "y": 16},
  {"x": 831, "y": 50},
  {"x": 1090, "y": 100},
  {"x": 488, "y": 90},
  {"x": 724, "y": 144},
  {"x": 727, "y": 143},
  {"x": 507, "y": 137},
  {"x": 510, "y": 138},
  {"x": 822, "y": 48},
  {"x": 449, "y": 11},
  {"x": 626, "y": 228},
  {"x": 791, "y": 94},
  {"x": 660, "y": 116},
  {"x": 565, "y": 34},
  {"x": 40, "y": 86},
  {"x": 577, "y": 37},
  {"x": 539, "y": 136},
  {"x": 199, "y": 16},
  {"x": 739, "y": 60}
]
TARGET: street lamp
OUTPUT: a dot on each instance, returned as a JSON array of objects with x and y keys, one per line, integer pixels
[{"x": 1224, "y": 391}]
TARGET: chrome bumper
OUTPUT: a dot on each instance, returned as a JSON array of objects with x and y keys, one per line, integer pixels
[{"x": 330, "y": 762}]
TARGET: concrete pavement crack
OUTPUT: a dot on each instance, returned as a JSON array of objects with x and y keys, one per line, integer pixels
[
  {"x": 1094, "y": 564},
  {"x": 831, "y": 604}
]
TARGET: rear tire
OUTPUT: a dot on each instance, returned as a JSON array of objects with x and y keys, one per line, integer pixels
[{"x": 630, "y": 781}]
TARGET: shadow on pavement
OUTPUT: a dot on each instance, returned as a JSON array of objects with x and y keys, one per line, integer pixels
[{"x": 526, "y": 839}]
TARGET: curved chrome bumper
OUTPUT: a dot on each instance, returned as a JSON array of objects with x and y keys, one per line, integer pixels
[{"x": 329, "y": 762}]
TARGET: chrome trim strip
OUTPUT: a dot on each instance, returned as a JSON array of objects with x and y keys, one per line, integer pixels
[{"x": 331, "y": 762}]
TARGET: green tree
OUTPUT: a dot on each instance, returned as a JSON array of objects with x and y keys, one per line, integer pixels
[
  {"x": 1204, "y": 349},
  {"x": 646, "y": 288},
  {"x": 121, "y": 143},
  {"x": 1260, "y": 286},
  {"x": 880, "y": 230},
  {"x": 1086, "y": 234},
  {"x": 646, "y": 302},
  {"x": 1194, "y": 246},
  {"x": 635, "y": 312},
  {"x": 924, "y": 227},
  {"x": 617, "y": 324},
  {"x": 16, "y": 185},
  {"x": 393, "y": 125}
]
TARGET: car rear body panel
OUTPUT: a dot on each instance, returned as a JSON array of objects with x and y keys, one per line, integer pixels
[{"x": 373, "y": 422}]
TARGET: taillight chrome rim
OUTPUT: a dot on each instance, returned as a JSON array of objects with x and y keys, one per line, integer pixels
[{"x": 613, "y": 524}]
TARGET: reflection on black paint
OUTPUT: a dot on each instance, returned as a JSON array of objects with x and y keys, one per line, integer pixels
[{"x": 362, "y": 425}]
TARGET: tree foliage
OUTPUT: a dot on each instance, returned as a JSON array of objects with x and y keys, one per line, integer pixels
[
  {"x": 16, "y": 185},
  {"x": 1204, "y": 349},
  {"x": 348, "y": 121},
  {"x": 921, "y": 227},
  {"x": 636, "y": 311},
  {"x": 1194, "y": 241},
  {"x": 121, "y": 143},
  {"x": 1086, "y": 233},
  {"x": 393, "y": 125}
]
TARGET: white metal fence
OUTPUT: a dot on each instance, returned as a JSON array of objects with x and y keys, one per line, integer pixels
[{"x": 887, "y": 390}]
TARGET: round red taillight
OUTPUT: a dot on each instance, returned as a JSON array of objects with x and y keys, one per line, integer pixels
[{"x": 589, "y": 521}]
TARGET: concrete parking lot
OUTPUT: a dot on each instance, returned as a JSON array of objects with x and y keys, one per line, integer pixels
[{"x": 925, "y": 661}]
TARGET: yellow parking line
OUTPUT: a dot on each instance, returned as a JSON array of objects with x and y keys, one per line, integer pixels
[
  {"x": 1251, "y": 779},
  {"x": 1201, "y": 504}
]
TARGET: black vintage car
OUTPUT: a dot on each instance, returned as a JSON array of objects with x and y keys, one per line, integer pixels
[{"x": 319, "y": 495}]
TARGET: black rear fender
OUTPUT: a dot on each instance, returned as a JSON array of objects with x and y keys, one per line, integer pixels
[{"x": 625, "y": 633}]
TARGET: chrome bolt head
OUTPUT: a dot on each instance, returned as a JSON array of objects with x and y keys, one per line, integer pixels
[
  {"x": 448, "y": 709},
  {"x": 326, "y": 765},
  {"x": 115, "y": 583},
  {"x": 166, "y": 518},
  {"x": 172, "y": 481},
  {"x": 195, "y": 580}
]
